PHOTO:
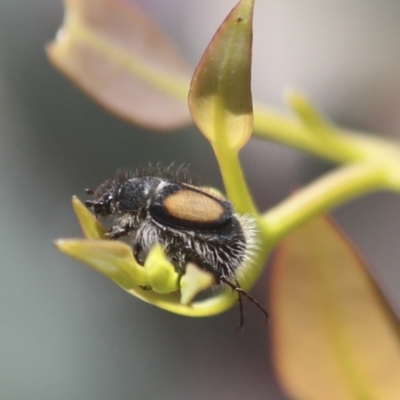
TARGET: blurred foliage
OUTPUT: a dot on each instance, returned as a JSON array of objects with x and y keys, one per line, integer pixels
[{"x": 334, "y": 334}]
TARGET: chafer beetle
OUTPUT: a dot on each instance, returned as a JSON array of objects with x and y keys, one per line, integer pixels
[{"x": 192, "y": 223}]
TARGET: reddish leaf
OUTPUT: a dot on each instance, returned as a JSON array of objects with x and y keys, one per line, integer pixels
[
  {"x": 334, "y": 335},
  {"x": 220, "y": 97},
  {"x": 115, "y": 54}
]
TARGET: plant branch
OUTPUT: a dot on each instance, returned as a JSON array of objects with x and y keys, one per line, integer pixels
[{"x": 323, "y": 194}]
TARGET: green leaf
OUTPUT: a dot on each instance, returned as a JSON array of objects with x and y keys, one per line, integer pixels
[
  {"x": 122, "y": 60},
  {"x": 109, "y": 257},
  {"x": 161, "y": 274},
  {"x": 334, "y": 335},
  {"x": 220, "y": 97},
  {"x": 194, "y": 281},
  {"x": 91, "y": 227}
]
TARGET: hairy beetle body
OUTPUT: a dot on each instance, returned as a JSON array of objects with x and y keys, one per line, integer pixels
[{"x": 193, "y": 224}]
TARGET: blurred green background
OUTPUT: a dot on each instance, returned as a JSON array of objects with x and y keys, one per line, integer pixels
[{"x": 68, "y": 333}]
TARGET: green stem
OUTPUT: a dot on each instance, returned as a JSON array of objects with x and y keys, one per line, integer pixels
[
  {"x": 323, "y": 194},
  {"x": 331, "y": 143},
  {"x": 234, "y": 181}
]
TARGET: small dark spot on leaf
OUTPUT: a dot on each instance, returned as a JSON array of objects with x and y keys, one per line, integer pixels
[{"x": 239, "y": 19}]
